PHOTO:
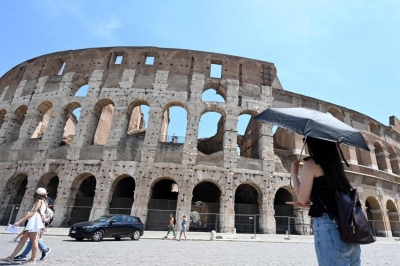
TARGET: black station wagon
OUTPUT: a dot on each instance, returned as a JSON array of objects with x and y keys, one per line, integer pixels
[{"x": 115, "y": 226}]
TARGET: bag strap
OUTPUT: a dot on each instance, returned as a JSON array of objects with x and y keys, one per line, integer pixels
[{"x": 333, "y": 220}]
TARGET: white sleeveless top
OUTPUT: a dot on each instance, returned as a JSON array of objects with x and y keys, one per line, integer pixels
[{"x": 35, "y": 223}]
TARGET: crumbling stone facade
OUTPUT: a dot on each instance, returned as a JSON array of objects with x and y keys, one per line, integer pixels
[{"x": 85, "y": 162}]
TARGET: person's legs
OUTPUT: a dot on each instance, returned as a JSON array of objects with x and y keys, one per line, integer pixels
[
  {"x": 173, "y": 230},
  {"x": 33, "y": 238},
  {"x": 20, "y": 245},
  {"x": 27, "y": 249},
  {"x": 330, "y": 249},
  {"x": 42, "y": 246}
]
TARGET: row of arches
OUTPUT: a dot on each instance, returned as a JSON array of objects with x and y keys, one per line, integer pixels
[{"x": 205, "y": 206}]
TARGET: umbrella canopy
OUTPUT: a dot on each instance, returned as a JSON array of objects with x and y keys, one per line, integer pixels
[{"x": 314, "y": 124}]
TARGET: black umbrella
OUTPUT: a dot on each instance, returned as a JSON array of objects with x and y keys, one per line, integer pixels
[{"x": 314, "y": 124}]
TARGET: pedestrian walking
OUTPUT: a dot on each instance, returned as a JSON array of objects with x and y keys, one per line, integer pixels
[
  {"x": 321, "y": 175},
  {"x": 33, "y": 227},
  {"x": 49, "y": 202},
  {"x": 171, "y": 226},
  {"x": 183, "y": 230}
]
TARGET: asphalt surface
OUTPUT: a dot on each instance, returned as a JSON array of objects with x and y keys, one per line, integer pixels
[{"x": 156, "y": 251}]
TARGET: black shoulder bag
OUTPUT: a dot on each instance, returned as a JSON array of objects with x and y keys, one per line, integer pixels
[{"x": 353, "y": 224}]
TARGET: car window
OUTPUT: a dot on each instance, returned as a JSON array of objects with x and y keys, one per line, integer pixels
[
  {"x": 118, "y": 218},
  {"x": 131, "y": 219}
]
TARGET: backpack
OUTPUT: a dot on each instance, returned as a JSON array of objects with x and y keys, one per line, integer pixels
[
  {"x": 352, "y": 223},
  {"x": 47, "y": 215},
  {"x": 174, "y": 220}
]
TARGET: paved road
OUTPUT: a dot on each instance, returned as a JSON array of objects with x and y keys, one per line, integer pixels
[{"x": 169, "y": 252}]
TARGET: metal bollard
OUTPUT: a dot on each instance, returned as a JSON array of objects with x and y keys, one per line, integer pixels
[{"x": 213, "y": 235}]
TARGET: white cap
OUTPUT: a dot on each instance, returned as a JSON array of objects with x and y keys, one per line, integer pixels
[{"x": 41, "y": 191}]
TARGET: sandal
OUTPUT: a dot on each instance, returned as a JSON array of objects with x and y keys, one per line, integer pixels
[
  {"x": 8, "y": 260},
  {"x": 30, "y": 262}
]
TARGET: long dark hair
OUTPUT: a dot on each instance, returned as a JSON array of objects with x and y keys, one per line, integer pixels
[
  {"x": 325, "y": 153},
  {"x": 38, "y": 197}
]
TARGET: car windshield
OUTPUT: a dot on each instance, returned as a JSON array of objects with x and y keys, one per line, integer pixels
[{"x": 102, "y": 218}]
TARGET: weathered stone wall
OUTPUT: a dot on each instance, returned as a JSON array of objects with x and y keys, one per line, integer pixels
[{"x": 123, "y": 148}]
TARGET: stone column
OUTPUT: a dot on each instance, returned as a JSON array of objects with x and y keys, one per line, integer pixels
[
  {"x": 230, "y": 143},
  {"x": 184, "y": 201},
  {"x": 372, "y": 158},
  {"x": 268, "y": 223},
  {"x": 152, "y": 135},
  {"x": 119, "y": 125},
  {"x": 384, "y": 161},
  {"x": 7, "y": 128},
  {"x": 227, "y": 207},
  {"x": 32, "y": 119},
  {"x": 53, "y": 135}
]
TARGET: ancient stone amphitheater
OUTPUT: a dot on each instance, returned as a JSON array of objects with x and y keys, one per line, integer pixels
[{"x": 106, "y": 159}]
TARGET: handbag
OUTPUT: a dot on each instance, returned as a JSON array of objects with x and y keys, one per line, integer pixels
[{"x": 353, "y": 224}]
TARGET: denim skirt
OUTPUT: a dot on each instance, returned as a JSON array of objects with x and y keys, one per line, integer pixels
[{"x": 330, "y": 249}]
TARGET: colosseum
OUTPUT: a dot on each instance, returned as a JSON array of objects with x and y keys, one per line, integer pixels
[{"x": 97, "y": 155}]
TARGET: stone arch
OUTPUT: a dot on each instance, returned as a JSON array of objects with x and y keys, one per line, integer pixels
[
  {"x": 373, "y": 128},
  {"x": 99, "y": 122},
  {"x": 16, "y": 122},
  {"x": 375, "y": 216},
  {"x": 283, "y": 211},
  {"x": 175, "y": 115},
  {"x": 335, "y": 112},
  {"x": 14, "y": 193},
  {"x": 248, "y": 142},
  {"x": 2, "y": 116},
  {"x": 393, "y": 215},
  {"x": 50, "y": 181},
  {"x": 122, "y": 194},
  {"x": 212, "y": 144},
  {"x": 162, "y": 203},
  {"x": 248, "y": 203},
  {"x": 219, "y": 87},
  {"x": 380, "y": 157},
  {"x": 80, "y": 202},
  {"x": 135, "y": 122},
  {"x": 394, "y": 161},
  {"x": 206, "y": 200},
  {"x": 43, "y": 118}
]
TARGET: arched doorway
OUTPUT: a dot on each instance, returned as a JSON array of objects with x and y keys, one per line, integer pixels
[
  {"x": 162, "y": 203},
  {"x": 122, "y": 195},
  {"x": 205, "y": 207},
  {"x": 247, "y": 209},
  {"x": 84, "y": 197},
  {"x": 15, "y": 188},
  {"x": 393, "y": 218},
  {"x": 375, "y": 217},
  {"x": 283, "y": 212},
  {"x": 50, "y": 182}
]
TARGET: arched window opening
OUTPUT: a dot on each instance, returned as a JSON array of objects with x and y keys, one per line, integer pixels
[
  {"x": 138, "y": 120},
  {"x": 162, "y": 203},
  {"x": 247, "y": 209},
  {"x": 173, "y": 126},
  {"x": 83, "y": 91},
  {"x": 205, "y": 207},
  {"x": 122, "y": 196},
  {"x": 42, "y": 126},
  {"x": 336, "y": 113},
  {"x": 248, "y": 136},
  {"x": 17, "y": 121},
  {"x": 374, "y": 129},
  {"x": 394, "y": 161},
  {"x": 2, "y": 116},
  {"x": 212, "y": 95},
  {"x": 380, "y": 157},
  {"x": 283, "y": 211},
  {"x": 104, "y": 125},
  {"x": 363, "y": 157},
  {"x": 15, "y": 192},
  {"x": 211, "y": 133},
  {"x": 82, "y": 206}
]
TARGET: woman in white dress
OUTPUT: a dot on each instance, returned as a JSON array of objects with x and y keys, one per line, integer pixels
[{"x": 33, "y": 227}]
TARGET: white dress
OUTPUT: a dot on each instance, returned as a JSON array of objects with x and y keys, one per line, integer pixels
[{"x": 35, "y": 223}]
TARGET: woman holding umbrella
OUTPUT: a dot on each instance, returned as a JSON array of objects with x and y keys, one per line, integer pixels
[{"x": 321, "y": 175}]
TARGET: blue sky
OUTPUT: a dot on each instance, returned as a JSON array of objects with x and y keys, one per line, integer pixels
[{"x": 344, "y": 52}]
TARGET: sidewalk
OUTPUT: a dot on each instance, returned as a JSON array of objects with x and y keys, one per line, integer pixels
[{"x": 205, "y": 236}]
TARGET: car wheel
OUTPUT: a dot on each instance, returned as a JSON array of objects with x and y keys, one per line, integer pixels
[
  {"x": 79, "y": 239},
  {"x": 135, "y": 235},
  {"x": 117, "y": 238},
  {"x": 97, "y": 235}
]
